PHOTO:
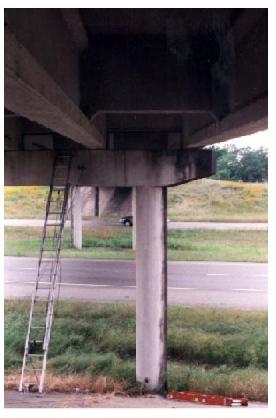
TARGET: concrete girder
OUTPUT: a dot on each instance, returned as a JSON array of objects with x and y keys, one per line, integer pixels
[
  {"x": 32, "y": 93},
  {"x": 75, "y": 25},
  {"x": 112, "y": 169},
  {"x": 252, "y": 118},
  {"x": 46, "y": 36}
]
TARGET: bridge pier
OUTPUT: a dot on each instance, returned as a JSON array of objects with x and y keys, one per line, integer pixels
[
  {"x": 133, "y": 212},
  {"x": 76, "y": 217},
  {"x": 151, "y": 287},
  {"x": 150, "y": 173}
]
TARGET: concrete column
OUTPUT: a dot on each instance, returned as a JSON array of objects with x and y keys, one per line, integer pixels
[
  {"x": 97, "y": 199},
  {"x": 133, "y": 211},
  {"x": 151, "y": 287},
  {"x": 76, "y": 217}
]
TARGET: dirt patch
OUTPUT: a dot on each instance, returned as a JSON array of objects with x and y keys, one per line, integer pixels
[
  {"x": 14, "y": 399},
  {"x": 68, "y": 383}
]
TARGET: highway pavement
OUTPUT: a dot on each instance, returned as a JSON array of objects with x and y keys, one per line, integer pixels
[{"x": 218, "y": 284}]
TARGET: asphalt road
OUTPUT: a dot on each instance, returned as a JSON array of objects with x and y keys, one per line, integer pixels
[
  {"x": 220, "y": 284},
  {"x": 171, "y": 225}
]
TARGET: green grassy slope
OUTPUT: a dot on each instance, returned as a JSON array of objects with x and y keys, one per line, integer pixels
[
  {"x": 25, "y": 202},
  {"x": 216, "y": 200},
  {"x": 201, "y": 200}
]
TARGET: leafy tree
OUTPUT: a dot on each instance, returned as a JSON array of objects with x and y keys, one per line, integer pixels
[
  {"x": 228, "y": 167},
  {"x": 253, "y": 165},
  {"x": 244, "y": 164}
]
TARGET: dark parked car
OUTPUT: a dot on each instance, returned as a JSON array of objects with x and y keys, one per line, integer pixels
[{"x": 127, "y": 220}]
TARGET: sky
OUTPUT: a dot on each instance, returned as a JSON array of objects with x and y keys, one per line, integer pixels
[{"x": 257, "y": 140}]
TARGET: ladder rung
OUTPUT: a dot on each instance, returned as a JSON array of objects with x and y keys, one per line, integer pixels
[
  {"x": 38, "y": 327},
  {"x": 46, "y": 268},
  {"x": 50, "y": 287},
  {"x": 49, "y": 245},
  {"x": 45, "y": 274},
  {"x": 35, "y": 355},
  {"x": 40, "y": 305},
  {"x": 32, "y": 368},
  {"x": 42, "y": 298},
  {"x": 45, "y": 283},
  {"x": 42, "y": 289},
  {"x": 45, "y": 286}
]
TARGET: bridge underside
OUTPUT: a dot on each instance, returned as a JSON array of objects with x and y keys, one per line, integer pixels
[
  {"x": 166, "y": 78},
  {"x": 133, "y": 94}
]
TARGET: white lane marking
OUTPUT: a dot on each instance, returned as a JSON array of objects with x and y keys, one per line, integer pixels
[
  {"x": 133, "y": 287},
  {"x": 171, "y": 288},
  {"x": 217, "y": 274},
  {"x": 85, "y": 284},
  {"x": 12, "y": 281},
  {"x": 73, "y": 284},
  {"x": 97, "y": 285},
  {"x": 250, "y": 290}
]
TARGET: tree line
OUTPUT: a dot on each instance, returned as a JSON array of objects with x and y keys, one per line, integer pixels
[{"x": 242, "y": 164}]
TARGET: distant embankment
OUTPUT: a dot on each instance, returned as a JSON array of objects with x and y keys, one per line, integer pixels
[{"x": 200, "y": 200}]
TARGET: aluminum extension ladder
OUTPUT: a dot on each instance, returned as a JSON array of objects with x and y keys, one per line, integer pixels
[{"x": 47, "y": 280}]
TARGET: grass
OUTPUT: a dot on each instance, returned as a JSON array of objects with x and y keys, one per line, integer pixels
[
  {"x": 216, "y": 200},
  {"x": 200, "y": 200},
  {"x": 210, "y": 350},
  {"x": 115, "y": 243},
  {"x": 25, "y": 202}
]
